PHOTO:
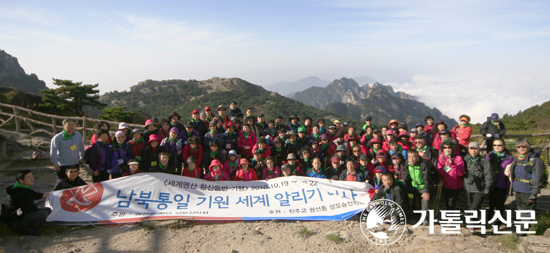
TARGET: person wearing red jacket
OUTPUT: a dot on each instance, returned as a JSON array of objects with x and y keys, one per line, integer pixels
[
  {"x": 451, "y": 168},
  {"x": 390, "y": 135},
  {"x": 245, "y": 173},
  {"x": 194, "y": 149},
  {"x": 463, "y": 132},
  {"x": 215, "y": 172},
  {"x": 191, "y": 170},
  {"x": 137, "y": 143},
  {"x": 246, "y": 141}
]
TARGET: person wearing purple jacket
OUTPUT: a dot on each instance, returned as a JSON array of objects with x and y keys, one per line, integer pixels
[
  {"x": 101, "y": 154},
  {"x": 188, "y": 132},
  {"x": 122, "y": 153},
  {"x": 499, "y": 158}
]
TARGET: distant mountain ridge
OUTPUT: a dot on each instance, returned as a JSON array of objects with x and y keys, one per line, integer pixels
[
  {"x": 161, "y": 98},
  {"x": 288, "y": 88},
  {"x": 346, "y": 98},
  {"x": 12, "y": 75}
]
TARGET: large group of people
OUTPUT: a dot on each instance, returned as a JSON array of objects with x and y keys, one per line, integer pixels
[{"x": 394, "y": 161}]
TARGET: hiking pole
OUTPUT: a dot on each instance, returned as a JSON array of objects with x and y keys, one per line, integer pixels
[{"x": 438, "y": 197}]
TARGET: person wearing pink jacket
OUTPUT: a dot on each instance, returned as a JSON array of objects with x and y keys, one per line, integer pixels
[
  {"x": 451, "y": 168},
  {"x": 246, "y": 141}
]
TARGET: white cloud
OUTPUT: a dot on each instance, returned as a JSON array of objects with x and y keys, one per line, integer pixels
[{"x": 478, "y": 95}]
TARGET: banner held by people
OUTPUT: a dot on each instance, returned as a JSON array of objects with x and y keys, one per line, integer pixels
[{"x": 164, "y": 196}]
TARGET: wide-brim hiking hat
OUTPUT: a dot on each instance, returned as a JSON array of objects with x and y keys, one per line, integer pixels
[
  {"x": 335, "y": 159},
  {"x": 291, "y": 156},
  {"x": 363, "y": 157},
  {"x": 291, "y": 132},
  {"x": 215, "y": 162},
  {"x": 174, "y": 130},
  {"x": 440, "y": 122},
  {"x": 404, "y": 134},
  {"x": 340, "y": 148},
  {"x": 243, "y": 161},
  {"x": 232, "y": 152},
  {"x": 464, "y": 117},
  {"x": 301, "y": 129},
  {"x": 154, "y": 137},
  {"x": 123, "y": 125},
  {"x": 336, "y": 122},
  {"x": 136, "y": 130},
  {"x": 393, "y": 121},
  {"x": 294, "y": 117},
  {"x": 149, "y": 122},
  {"x": 375, "y": 140},
  {"x": 119, "y": 133},
  {"x": 174, "y": 114},
  {"x": 419, "y": 125},
  {"x": 221, "y": 107},
  {"x": 368, "y": 118}
]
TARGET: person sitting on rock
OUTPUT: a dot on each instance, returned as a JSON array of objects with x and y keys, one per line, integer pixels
[{"x": 22, "y": 214}]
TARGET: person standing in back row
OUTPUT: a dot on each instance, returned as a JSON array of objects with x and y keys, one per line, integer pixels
[
  {"x": 66, "y": 149},
  {"x": 492, "y": 129}
]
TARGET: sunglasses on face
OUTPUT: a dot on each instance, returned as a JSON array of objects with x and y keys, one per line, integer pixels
[
  {"x": 521, "y": 147},
  {"x": 497, "y": 145}
]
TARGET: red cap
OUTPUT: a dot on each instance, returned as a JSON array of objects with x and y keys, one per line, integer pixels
[
  {"x": 207, "y": 108},
  {"x": 195, "y": 111}
]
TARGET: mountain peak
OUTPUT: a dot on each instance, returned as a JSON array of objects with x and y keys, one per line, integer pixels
[{"x": 12, "y": 75}]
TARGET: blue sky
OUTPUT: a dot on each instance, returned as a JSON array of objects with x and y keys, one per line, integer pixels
[{"x": 471, "y": 57}]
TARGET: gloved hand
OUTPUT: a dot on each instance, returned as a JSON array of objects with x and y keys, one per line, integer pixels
[
  {"x": 532, "y": 198},
  {"x": 489, "y": 135},
  {"x": 486, "y": 192},
  {"x": 497, "y": 135}
]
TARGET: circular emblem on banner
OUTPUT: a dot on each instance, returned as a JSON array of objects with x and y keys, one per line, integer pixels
[
  {"x": 383, "y": 222},
  {"x": 82, "y": 198}
]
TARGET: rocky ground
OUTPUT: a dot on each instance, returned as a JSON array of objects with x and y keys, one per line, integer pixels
[{"x": 262, "y": 236}]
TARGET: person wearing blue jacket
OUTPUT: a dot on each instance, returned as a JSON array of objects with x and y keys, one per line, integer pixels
[
  {"x": 528, "y": 175},
  {"x": 316, "y": 170}
]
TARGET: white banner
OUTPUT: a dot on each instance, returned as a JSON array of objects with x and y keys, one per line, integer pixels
[{"x": 165, "y": 196}]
